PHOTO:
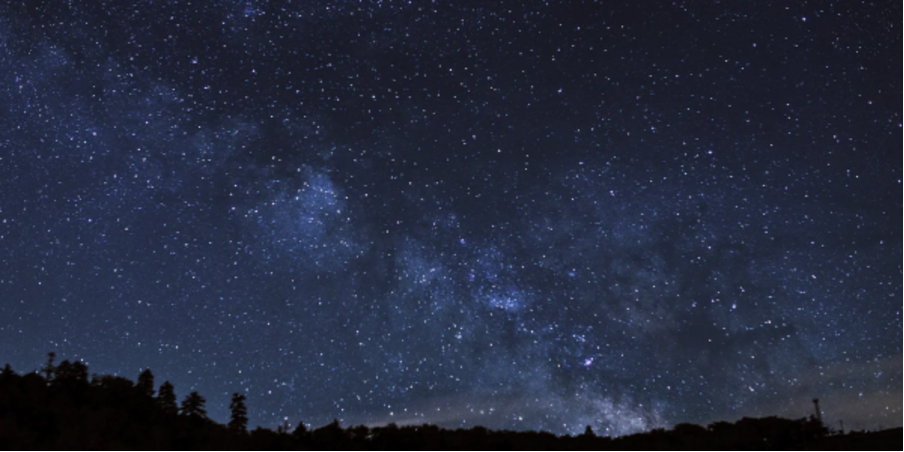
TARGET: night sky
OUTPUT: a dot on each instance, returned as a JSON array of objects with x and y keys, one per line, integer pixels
[{"x": 522, "y": 215}]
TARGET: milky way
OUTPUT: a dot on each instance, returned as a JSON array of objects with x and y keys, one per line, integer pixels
[{"x": 523, "y": 215}]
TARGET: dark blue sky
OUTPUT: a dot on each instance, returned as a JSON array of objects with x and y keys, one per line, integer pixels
[{"x": 524, "y": 215}]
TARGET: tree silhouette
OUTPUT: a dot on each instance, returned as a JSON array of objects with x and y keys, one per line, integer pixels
[
  {"x": 49, "y": 368},
  {"x": 146, "y": 382},
  {"x": 332, "y": 433},
  {"x": 301, "y": 431},
  {"x": 166, "y": 398},
  {"x": 193, "y": 406},
  {"x": 284, "y": 428},
  {"x": 7, "y": 371},
  {"x": 116, "y": 413},
  {"x": 67, "y": 371},
  {"x": 238, "y": 421}
]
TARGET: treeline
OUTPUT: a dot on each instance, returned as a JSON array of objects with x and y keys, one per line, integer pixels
[{"x": 60, "y": 407}]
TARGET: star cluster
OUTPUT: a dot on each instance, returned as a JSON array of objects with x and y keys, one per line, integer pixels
[{"x": 522, "y": 215}]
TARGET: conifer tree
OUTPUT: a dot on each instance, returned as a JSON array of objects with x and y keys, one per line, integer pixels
[
  {"x": 301, "y": 431},
  {"x": 238, "y": 421},
  {"x": 146, "y": 382},
  {"x": 193, "y": 406},
  {"x": 166, "y": 398},
  {"x": 7, "y": 373},
  {"x": 49, "y": 369}
]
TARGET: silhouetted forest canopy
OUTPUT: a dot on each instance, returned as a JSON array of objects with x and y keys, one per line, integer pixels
[{"x": 60, "y": 407}]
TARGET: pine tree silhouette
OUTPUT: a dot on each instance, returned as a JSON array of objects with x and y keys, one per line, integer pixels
[
  {"x": 146, "y": 382},
  {"x": 49, "y": 369},
  {"x": 301, "y": 431},
  {"x": 193, "y": 406},
  {"x": 166, "y": 398},
  {"x": 7, "y": 371},
  {"x": 238, "y": 421},
  {"x": 284, "y": 428}
]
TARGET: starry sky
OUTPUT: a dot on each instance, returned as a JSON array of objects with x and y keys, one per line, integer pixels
[{"x": 522, "y": 215}]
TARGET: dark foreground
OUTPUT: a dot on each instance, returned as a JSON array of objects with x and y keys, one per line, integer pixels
[
  {"x": 62, "y": 409},
  {"x": 883, "y": 440}
]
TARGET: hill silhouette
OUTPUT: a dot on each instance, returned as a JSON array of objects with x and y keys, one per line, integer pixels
[{"x": 61, "y": 408}]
